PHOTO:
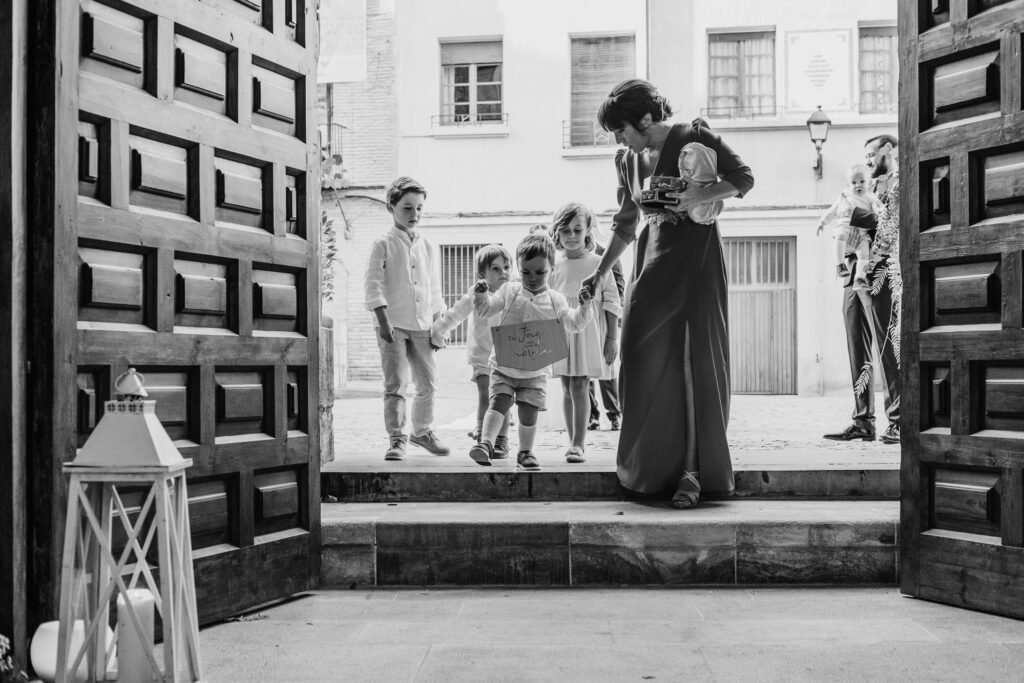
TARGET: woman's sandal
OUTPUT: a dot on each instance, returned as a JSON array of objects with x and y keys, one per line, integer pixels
[
  {"x": 575, "y": 454},
  {"x": 687, "y": 494}
]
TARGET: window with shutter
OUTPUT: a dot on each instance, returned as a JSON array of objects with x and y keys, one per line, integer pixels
[
  {"x": 598, "y": 65},
  {"x": 471, "y": 83},
  {"x": 879, "y": 70},
  {"x": 741, "y": 74}
]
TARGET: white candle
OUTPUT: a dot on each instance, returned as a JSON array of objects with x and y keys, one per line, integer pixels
[{"x": 132, "y": 660}]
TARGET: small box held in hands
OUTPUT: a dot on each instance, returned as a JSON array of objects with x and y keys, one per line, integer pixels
[{"x": 655, "y": 198}]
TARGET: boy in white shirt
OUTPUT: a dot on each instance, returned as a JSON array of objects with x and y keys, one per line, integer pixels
[
  {"x": 519, "y": 302},
  {"x": 403, "y": 289}
]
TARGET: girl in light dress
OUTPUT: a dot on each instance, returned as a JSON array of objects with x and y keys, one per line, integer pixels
[{"x": 592, "y": 352}]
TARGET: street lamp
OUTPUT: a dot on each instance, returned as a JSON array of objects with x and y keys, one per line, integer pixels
[{"x": 817, "y": 125}]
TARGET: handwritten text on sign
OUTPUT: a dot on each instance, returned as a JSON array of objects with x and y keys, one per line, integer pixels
[{"x": 529, "y": 345}]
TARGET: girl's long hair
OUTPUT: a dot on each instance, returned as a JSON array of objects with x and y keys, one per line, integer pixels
[{"x": 565, "y": 215}]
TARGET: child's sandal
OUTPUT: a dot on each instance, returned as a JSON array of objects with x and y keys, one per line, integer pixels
[{"x": 575, "y": 454}]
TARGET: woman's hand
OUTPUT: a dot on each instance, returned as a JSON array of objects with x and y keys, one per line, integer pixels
[
  {"x": 688, "y": 198},
  {"x": 589, "y": 286},
  {"x": 611, "y": 349}
]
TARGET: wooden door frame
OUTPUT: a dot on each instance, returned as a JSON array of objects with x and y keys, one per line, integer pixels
[
  {"x": 13, "y": 512},
  {"x": 52, "y": 97}
]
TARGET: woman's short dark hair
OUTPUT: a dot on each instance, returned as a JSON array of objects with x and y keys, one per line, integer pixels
[
  {"x": 536, "y": 244},
  {"x": 401, "y": 186},
  {"x": 486, "y": 255},
  {"x": 630, "y": 101},
  {"x": 565, "y": 215}
]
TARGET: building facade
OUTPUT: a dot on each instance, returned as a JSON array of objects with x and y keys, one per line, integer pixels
[{"x": 492, "y": 105}]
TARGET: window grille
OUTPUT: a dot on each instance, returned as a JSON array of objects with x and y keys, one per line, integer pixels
[
  {"x": 741, "y": 74},
  {"x": 760, "y": 263},
  {"x": 879, "y": 70},
  {"x": 598, "y": 65},
  {"x": 458, "y": 273},
  {"x": 471, "y": 86}
]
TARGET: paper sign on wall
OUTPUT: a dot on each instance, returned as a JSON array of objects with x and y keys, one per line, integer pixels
[{"x": 530, "y": 345}]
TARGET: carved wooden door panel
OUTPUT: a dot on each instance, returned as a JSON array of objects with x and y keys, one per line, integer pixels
[
  {"x": 962, "y": 210},
  {"x": 195, "y": 261}
]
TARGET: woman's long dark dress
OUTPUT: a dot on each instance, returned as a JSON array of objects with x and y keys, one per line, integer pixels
[{"x": 675, "y": 339}]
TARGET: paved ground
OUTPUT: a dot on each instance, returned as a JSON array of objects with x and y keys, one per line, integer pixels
[
  {"x": 764, "y": 431},
  {"x": 777, "y": 634}
]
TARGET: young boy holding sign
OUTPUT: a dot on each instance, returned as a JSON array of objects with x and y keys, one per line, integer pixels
[{"x": 530, "y": 336}]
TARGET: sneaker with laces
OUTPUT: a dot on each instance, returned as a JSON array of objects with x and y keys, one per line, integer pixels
[
  {"x": 891, "y": 433},
  {"x": 615, "y": 426},
  {"x": 500, "y": 448},
  {"x": 527, "y": 460},
  {"x": 594, "y": 425},
  {"x": 481, "y": 453},
  {"x": 397, "y": 450},
  {"x": 430, "y": 441}
]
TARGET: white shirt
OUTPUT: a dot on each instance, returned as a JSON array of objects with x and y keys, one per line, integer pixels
[
  {"x": 404, "y": 274},
  {"x": 512, "y": 304},
  {"x": 478, "y": 337}
]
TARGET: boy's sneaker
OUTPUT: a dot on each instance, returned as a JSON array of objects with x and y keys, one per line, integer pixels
[
  {"x": 842, "y": 271},
  {"x": 397, "y": 450},
  {"x": 594, "y": 425},
  {"x": 500, "y": 448},
  {"x": 527, "y": 460},
  {"x": 861, "y": 283},
  {"x": 481, "y": 453},
  {"x": 615, "y": 426},
  {"x": 430, "y": 441}
]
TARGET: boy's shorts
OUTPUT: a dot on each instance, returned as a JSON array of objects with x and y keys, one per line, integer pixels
[
  {"x": 531, "y": 390},
  {"x": 479, "y": 370}
]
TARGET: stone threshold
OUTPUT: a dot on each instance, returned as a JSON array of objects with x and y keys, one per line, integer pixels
[
  {"x": 725, "y": 542},
  {"x": 479, "y": 484}
]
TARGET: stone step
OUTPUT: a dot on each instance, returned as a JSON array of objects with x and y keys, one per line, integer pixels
[
  {"x": 476, "y": 484},
  {"x": 727, "y": 542}
]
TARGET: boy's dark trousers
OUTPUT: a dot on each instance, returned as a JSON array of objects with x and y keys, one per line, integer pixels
[{"x": 610, "y": 397}]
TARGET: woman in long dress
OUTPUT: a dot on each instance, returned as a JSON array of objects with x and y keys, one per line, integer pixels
[{"x": 674, "y": 378}]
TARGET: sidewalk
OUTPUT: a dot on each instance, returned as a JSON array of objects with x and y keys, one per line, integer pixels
[
  {"x": 765, "y": 432},
  {"x": 619, "y": 634}
]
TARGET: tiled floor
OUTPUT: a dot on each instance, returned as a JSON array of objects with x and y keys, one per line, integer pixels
[{"x": 781, "y": 634}]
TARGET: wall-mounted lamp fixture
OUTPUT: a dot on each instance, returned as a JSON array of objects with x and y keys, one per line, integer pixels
[{"x": 817, "y": 125}]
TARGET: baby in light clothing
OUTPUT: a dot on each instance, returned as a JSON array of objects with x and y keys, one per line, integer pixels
[
  {"x": 852, "y": 218},
  {"x": 698, "y": 165}
]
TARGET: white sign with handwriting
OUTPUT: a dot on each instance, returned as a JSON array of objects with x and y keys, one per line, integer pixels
[{"x": 530, "y": 345}]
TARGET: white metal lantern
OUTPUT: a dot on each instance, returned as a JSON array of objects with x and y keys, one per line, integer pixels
[{"x": 129, "y": 449}]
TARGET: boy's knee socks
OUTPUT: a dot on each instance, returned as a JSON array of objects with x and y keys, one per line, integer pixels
[
  {"x": 492, "y": 425},
  {"x": 526, "y": 434}
]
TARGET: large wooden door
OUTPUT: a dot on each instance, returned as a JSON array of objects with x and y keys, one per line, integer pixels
[
  {"x": 184, "y": 244},
  {"x": 962, "y": 225}
]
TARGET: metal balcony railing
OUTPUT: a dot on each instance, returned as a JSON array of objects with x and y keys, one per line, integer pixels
[
  {"x": 330, "y": 138},
  {"x": 741, "y": 112},
  {"x": 440, "y": 120},
  {"x": 585, "y": 133}
]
